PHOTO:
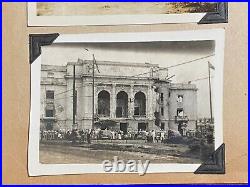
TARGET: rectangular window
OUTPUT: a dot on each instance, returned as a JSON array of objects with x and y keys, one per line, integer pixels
[
  {"x": 137, "y": 111},
  {"x": 180, "y": 98},
  {"x": 49, "y": 94},
  {"x": 161, "y": 97},
  {"x": 49, "y": 113},
  {"x": 162, "y": 111}
]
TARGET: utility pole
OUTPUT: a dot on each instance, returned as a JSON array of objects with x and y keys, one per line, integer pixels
[
  {"x": 74, "y": 96},
  {"x": 93, "y": 88},
  {"x": 210, "y": 93},
  {"x": 93, "y": 91}
]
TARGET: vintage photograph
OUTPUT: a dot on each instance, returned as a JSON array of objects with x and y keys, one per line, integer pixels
[
  {"x": 123, "y": 13},
  {"x": 143, "y": 100},
  {"x": 149, "y": 100},
  {"x": 106, "y": 8}
]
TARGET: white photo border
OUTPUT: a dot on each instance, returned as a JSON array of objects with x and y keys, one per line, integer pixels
[
  {"x": 35, "y": 168},
  {"x": 34, "y": 20}
]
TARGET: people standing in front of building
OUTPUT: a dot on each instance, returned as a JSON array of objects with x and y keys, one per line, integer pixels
[
  {"x": 162, "y": 135},
  {"x": 113, "y": 135},
  {"x": 89, "y": 136},
  {"x": 153, "y": 135},
  {"x": 119, "y": 135}
]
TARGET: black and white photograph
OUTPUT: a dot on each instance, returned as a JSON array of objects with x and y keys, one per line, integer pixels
[
  {"x": 122, "y": 13},
  {"x": 150, "y": 101}
]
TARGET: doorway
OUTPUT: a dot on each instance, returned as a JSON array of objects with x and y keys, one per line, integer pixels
[
  {"x": 162, "y": 126},
  {"x": 124, "y": 127},
  {"x": 142, "y": 126},
  {"x": 49, "y": 126}
]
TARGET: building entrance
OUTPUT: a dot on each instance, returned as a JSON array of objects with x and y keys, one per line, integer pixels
[
  {"x": 124, "y": 127},
  {"x": 142, "y": 126},
  {"x": 49, "y": 126}
]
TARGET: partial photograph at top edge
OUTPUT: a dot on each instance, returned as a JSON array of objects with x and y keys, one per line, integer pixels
[{"x": 124, "y": 8}]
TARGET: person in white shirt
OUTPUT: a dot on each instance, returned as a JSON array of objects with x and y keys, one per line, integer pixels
[
  {"x": 162, "y": 136},
  {"x": 153, "y": 135}
]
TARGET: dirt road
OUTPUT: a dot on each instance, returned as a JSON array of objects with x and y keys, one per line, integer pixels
[{"x": 59, "y": 154}]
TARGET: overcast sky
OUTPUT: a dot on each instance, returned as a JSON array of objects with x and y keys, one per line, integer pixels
[{"x": 163, "y": 53}]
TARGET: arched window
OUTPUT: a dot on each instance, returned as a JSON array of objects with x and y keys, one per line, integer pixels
[
  {"x": 122, "y": 105},
  {"x": 104, "y": 104},
  {"x": 140, "y": 104}
]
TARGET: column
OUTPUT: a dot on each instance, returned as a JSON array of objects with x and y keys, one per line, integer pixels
[
  {"x": 69, "y": 107},
  {"x": 131, "y": 102},
  {"x": 95, "y": 100},
  {"x": 149, "y": 103},
  {"x": 113, "y": 102}
]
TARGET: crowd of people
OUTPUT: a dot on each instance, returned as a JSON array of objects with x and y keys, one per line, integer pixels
[{"x": 86, "y": 135}]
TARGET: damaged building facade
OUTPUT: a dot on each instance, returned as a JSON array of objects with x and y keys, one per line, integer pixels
[{"x": 128, "y": 96}]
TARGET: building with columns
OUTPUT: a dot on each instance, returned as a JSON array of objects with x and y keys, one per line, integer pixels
[{"x": 127, "y": 96}]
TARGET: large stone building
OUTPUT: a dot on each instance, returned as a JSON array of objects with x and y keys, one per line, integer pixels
[{"x": 126, "y": 96}]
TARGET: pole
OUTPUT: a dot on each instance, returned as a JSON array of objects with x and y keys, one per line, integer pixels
[
  {"x": 210, "y": 93},
  {"x": 74, "y": 99},
  {"x": 93, "y": 91}
]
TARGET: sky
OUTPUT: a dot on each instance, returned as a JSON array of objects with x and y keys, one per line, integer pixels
[{"x": 163, "y": 53}]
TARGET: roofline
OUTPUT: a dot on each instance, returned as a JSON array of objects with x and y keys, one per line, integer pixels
[
  {"x": 182, "y": 86},
  {"x": 52, "y": 67},
  {"x": 115, "y": 63}
]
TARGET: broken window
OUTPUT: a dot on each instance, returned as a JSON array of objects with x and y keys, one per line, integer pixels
[
  {"x": 156, "y": 89},
  {"x": 162, "y": 97},
  {"x": 180, "y": 98},
  {"x": 104, "y": 103},
  {"x": 180, "y": 112},
  {"x": 49, "y": 113},
  {"x": 122, "y": 104},
  {"x": 49, "y": 94},
  {"x": 140, "y": 104},
  {"x": 162, "y": 111}
]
